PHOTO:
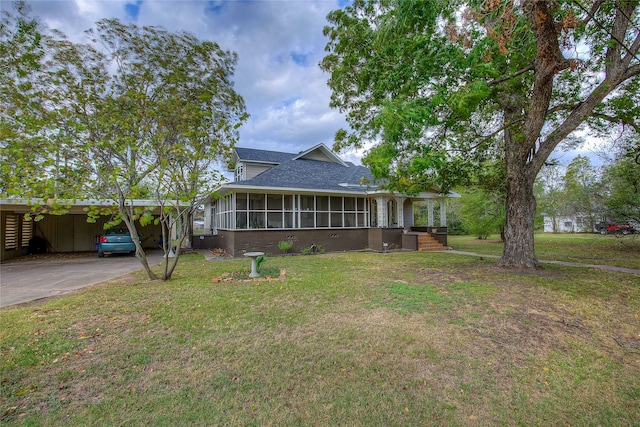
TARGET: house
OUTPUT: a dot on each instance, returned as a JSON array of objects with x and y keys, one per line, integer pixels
[
  {"x": 314, "y": 199},
  {"x": 577, "y": 223}
]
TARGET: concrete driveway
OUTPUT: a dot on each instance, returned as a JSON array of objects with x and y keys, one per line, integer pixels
[{"x": 29, "y": 280}]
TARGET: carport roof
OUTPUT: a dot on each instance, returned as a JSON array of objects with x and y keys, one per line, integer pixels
[{"x": 24, "y": 205}]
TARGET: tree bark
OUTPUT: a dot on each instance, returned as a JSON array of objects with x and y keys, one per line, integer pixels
[
  {"x": 520, "y": 209},
  {"x": 518, "y": 231}
]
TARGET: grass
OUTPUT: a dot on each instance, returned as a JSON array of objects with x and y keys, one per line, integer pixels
[
  {"x": 346, "y": 339},
  {"x": 616, "y": 250}
]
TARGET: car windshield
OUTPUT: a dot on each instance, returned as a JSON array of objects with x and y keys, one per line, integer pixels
[{"x": 116, "y": 232}]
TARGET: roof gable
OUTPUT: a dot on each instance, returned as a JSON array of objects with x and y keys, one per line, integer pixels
[{"x": 320, "y": 153}]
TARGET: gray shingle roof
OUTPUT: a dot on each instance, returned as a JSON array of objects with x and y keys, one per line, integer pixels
[
  {"x": 312, "y": 175},
  {"x": 263, "y": 156}
]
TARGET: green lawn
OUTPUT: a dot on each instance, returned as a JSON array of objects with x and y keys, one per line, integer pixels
[
  {"x": 350, "y": 339},
  {"x": 620, "y": 251}
]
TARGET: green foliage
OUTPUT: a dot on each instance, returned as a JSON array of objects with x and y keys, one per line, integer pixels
[
  {"x": 458, "y": 83},
  {"x": 285, "y": 245},
  {"x": 305, "y": 251},
  {"x": 138, "y": 112},
  {"x": 482, "y": 213},
  {"x": 622, "y": 182},
  {"x": 259, "y": 261}
]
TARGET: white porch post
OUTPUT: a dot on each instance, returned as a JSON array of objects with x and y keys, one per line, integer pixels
[
  {"x": 208, "y": 216},
  {"x": 430, "y": 212},
  {"x": 382, "y": 212},
  {"x": 400, "y": 211},
  {"x": 408, "y": 213},
  {"x": 443, "y": 213}
]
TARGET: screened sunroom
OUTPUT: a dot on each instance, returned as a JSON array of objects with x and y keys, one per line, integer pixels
[{"x": 241, "y": 211}]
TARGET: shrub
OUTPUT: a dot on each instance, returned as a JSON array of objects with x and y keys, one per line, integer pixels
[{"x": 284, "y": 246}]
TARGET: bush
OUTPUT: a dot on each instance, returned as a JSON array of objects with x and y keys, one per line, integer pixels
[{"x": 284, "y": 246}]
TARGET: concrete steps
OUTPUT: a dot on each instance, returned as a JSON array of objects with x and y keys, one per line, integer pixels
[{"x": 426, "y": 242}]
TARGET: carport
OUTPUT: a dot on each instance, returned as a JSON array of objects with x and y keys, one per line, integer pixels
[{"x": 61, "y": 233}]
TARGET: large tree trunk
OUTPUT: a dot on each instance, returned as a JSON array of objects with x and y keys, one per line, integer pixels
[
  {"x": 520, "y": 204},
  {"x": 521, "y": 209}
]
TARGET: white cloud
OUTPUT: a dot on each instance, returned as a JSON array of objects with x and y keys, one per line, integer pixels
[{"x": 279, "y": 45}]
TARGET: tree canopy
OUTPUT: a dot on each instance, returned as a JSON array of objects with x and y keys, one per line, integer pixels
[
  {"x": 134, "y": 113},
  {"x": 440, "y": 87}
]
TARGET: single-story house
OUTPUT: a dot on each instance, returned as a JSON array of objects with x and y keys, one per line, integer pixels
[
  {"x": 576, "y": 223},
  {"x": 314, "y": 199}
]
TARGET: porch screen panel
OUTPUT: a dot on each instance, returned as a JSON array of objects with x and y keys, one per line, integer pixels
[
  {"x": 289, "y": 209},
  {"x": 257, "y": 210},
  {"x": 288, "y": 220},
  {"x": 256, "y": 202},
  {"x": 322, "y": 211},
  {"x": 349, "y": 204},
  {"x": 349, "y": 219},
  {"x": 274, "y": 202},
  {"x": 241, "y": 202},
  {"x": 242, "y": 213},
  {"x": 274, "y": 219},
  {"x": 307, "y": 203},
  {"x": 307, "y": 211},
  {"x": 336, "y": 219},
  {"x": 275, "y": 211}
]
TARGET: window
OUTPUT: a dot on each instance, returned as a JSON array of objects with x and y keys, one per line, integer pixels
[
  {"x": 322, "y": 211},
  {"x": 240, "y": 173},
  {"x": 242, "y": 211}
]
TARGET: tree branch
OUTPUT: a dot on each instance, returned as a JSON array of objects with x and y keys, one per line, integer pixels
[
  {"x": 615, "y": 119},
  {"x": 633, "y": 71},
  {"x": 620, "y": 16},
  {"x": 516, "y": 74}
]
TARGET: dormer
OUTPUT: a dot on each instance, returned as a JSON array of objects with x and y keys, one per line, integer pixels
[
  {"x": 320, "y": 153},
  {"x": 250, "y": 162}
]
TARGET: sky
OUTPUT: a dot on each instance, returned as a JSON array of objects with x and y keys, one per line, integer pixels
[{"x": 279, "y": 45}]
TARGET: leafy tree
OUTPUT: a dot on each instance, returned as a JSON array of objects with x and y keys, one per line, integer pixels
[
  {"x": 140, "y": 112},
  {"x": 482, "y": 212},
  {"x": 33, "y": 160},
  {"x": 442, "y": 86},
  {"x": 550, "y": 194},
  {"x": 580, "y": 191},
  {"x": 622, "y": 182}
]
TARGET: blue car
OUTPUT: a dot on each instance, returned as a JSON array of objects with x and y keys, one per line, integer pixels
[{"x": 116, "y": 241}]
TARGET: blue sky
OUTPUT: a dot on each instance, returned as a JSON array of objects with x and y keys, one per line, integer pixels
[{"x": 279, "y": 45}]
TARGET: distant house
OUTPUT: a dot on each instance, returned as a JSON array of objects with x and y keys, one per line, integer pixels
[
  {"x": 568, "y": 224},
  {"x": 314, "y": 199}
]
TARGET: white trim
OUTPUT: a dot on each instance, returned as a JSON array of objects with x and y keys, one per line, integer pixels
[{"x": 325, "y": 150}]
